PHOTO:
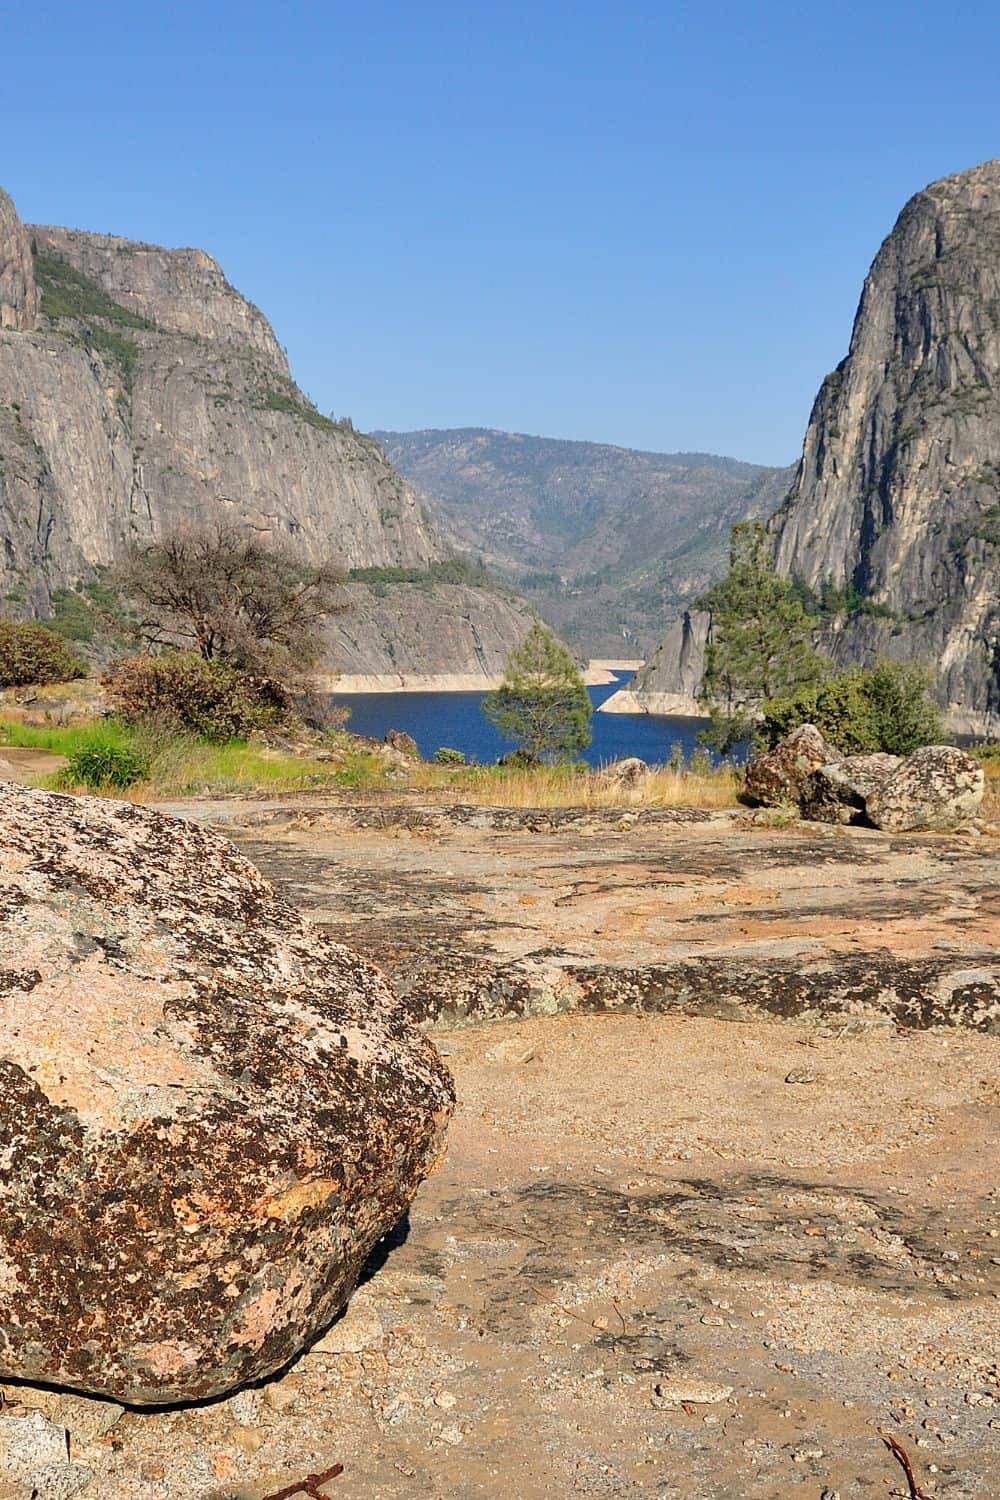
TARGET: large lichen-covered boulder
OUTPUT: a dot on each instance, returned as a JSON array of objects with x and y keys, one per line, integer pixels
[
  {"x": 937, "y": 787},
  {"x": 839, "y": 792},
  {"x": 777, "y": 777},
  {"x": 209, "y": 1113}
]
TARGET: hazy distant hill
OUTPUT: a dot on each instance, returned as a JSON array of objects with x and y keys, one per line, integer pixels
[{"x": 606, "y": 542}]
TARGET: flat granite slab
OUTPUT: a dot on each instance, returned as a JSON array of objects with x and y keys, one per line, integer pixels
[{"x": 482, "y": 913}]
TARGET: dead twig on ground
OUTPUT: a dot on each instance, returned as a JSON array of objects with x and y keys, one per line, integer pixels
[
  {"x": 558, "y": 1306},
  {"x": 901, "y": 1456},
  {"x": 516, "y": 1232},
  {"x": 311, "y": 1485}
]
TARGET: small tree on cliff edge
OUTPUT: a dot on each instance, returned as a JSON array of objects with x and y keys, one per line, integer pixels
[
  {"x": 761, "y": 645},
  {"x": 542, "y": 705}
]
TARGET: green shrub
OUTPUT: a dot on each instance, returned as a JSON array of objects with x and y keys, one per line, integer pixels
[
  {"x": 907, "y": 717},
  {"x": 293, "y": 405},
  {"x": 93, "y": 611},
  {"x": 447, "y": 570},
  {"x": 885, "y": 707},
  {"x": 840, "y": 708},
  {"x": 106, "y": 764},
  {"x": 183, "y": 691},
  {"x": 32, "y": 655},
  {"x": 445, "y": 756}
]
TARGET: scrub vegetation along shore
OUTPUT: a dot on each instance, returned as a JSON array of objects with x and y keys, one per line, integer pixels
[{"x": 183, "y": 766}]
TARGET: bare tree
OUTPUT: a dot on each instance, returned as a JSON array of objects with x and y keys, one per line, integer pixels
[{"x": 221, "y": 591}]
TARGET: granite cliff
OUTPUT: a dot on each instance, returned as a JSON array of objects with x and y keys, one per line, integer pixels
[
  {"x": 605, "y": 541},
  {"x": 140, "y": 391},
  {"x": 894, "y": 511}
]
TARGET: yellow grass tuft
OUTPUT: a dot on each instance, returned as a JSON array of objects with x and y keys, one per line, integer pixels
[{"x": 572, "y": 786}]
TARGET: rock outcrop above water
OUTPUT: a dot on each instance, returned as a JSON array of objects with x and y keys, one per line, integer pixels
[
  {"x": 209, "y": 1115},
  {"x": 139, "y": 391},
  {"x": 897, "y": 497},
  {"x": 894, "y": 513}
]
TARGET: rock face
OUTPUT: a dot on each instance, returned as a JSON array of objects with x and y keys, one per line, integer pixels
[
  {"x": 839, "y": 792},
  {"x": 669, "y": 682},
  {"x": 209, "y": 1113},
  {"x": 896, "y": 501},
  {"x": 605, "y": 540},
  {"x": 418, "y": 633},
  {"x": 18, "y": 293},
  {"x": 778, "y": 777},
  {"x": 179, "y": 291},
  {"x": 139, "y": 392},
  {"x": 936, "y": 787},
  {"x": 898, "y": 492}
]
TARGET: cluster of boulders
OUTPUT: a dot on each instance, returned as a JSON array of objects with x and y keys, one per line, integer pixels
[
  {"x": 937, "y": 787},
  {"x": 209, "y": 1112}
]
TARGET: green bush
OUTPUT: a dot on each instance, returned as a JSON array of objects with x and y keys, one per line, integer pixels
[
  {"x": 448, "y": 570},
  {"x": 885, "y": 707},
  {"x": 907, "y": 717},
  {"x": 183, "y": 691},
  {"x": 31, "y": 655},
  {"x": 840, "y": 708},
  {"x": 106, "y": 764},
  {"x": 445, "y": 756}
]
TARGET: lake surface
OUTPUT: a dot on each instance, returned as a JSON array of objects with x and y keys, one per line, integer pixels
[{"x": 457, "y": 720}]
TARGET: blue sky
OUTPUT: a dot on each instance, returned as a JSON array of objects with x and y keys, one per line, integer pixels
[{"x": 637, "y": 223}]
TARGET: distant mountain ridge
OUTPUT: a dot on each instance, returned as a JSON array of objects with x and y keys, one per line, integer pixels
[{"x": 607, "y": 542}]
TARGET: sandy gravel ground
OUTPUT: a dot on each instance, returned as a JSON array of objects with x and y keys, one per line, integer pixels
[
  {"x": 668, "y": 1254},
  {"x": 650, "y": 1265}
]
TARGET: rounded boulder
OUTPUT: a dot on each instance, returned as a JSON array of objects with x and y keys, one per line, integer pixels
[
  {"x": 209, "y": 1113},
  {"x": 839, "y": 792},
  {"x": 776, "y": 778},
  {"x": 937, "y": 787}
]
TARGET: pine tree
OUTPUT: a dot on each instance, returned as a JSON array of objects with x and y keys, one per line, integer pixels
[
  {"x": 761, "y": 638},
  {"x": 542, "y": 705}
]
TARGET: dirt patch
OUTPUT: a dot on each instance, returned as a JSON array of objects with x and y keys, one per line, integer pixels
[{"x": 634, "y": 1210}]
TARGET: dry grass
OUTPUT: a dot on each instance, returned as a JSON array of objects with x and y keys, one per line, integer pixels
[{"x": 570, "y": 786}]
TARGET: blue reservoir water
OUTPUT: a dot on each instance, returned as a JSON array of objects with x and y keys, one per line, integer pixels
[{"x": 456, "y": 719}]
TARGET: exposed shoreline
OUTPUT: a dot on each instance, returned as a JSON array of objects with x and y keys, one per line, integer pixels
[
  {"x": 598, "y": 673},
  {"x": 674, "y": 705}
]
